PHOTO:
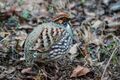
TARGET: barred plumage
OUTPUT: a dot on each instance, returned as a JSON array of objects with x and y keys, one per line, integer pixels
[{"x": 50, "y": 40}]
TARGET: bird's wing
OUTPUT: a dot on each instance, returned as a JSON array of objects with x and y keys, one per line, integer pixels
[{"x": 42, "y": 38}]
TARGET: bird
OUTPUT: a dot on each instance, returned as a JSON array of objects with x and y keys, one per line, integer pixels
[{"x": 50, "y": 40}]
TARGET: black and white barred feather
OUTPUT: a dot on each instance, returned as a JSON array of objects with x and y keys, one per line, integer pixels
[{"x": 48, "y": 39}]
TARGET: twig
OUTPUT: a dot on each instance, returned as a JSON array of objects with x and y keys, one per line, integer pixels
[
  {"x": 4, "y": 38},
  {"x": 46, "y": 74},
  {"x": 108, "y": 63}
]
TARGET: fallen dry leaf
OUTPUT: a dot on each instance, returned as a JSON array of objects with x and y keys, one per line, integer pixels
[
  {"x": 80, "y": 71},
  {"x": 73, "y": 51},
  {"x": 29, "y": 71},
  {"x": 10, "y": 70},
  {"x": 26, "y": 70}
]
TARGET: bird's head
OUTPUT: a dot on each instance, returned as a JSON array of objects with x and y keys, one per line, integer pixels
[{"x": 64, "y": 19}]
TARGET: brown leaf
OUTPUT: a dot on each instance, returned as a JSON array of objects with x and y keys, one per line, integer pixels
[
  {"x": 79, "y": 71},
  {"x": 29, "y": 71},
  {"x": 26, "y": 70}
]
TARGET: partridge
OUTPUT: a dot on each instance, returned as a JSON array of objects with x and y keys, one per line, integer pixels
[{"x": 49, "y": 40}]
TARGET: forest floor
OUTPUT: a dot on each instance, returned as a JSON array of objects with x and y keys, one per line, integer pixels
[{"x": 19, "y": 17}]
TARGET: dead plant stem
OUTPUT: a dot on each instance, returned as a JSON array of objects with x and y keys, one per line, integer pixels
[{"x": 102, "y": 77}]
